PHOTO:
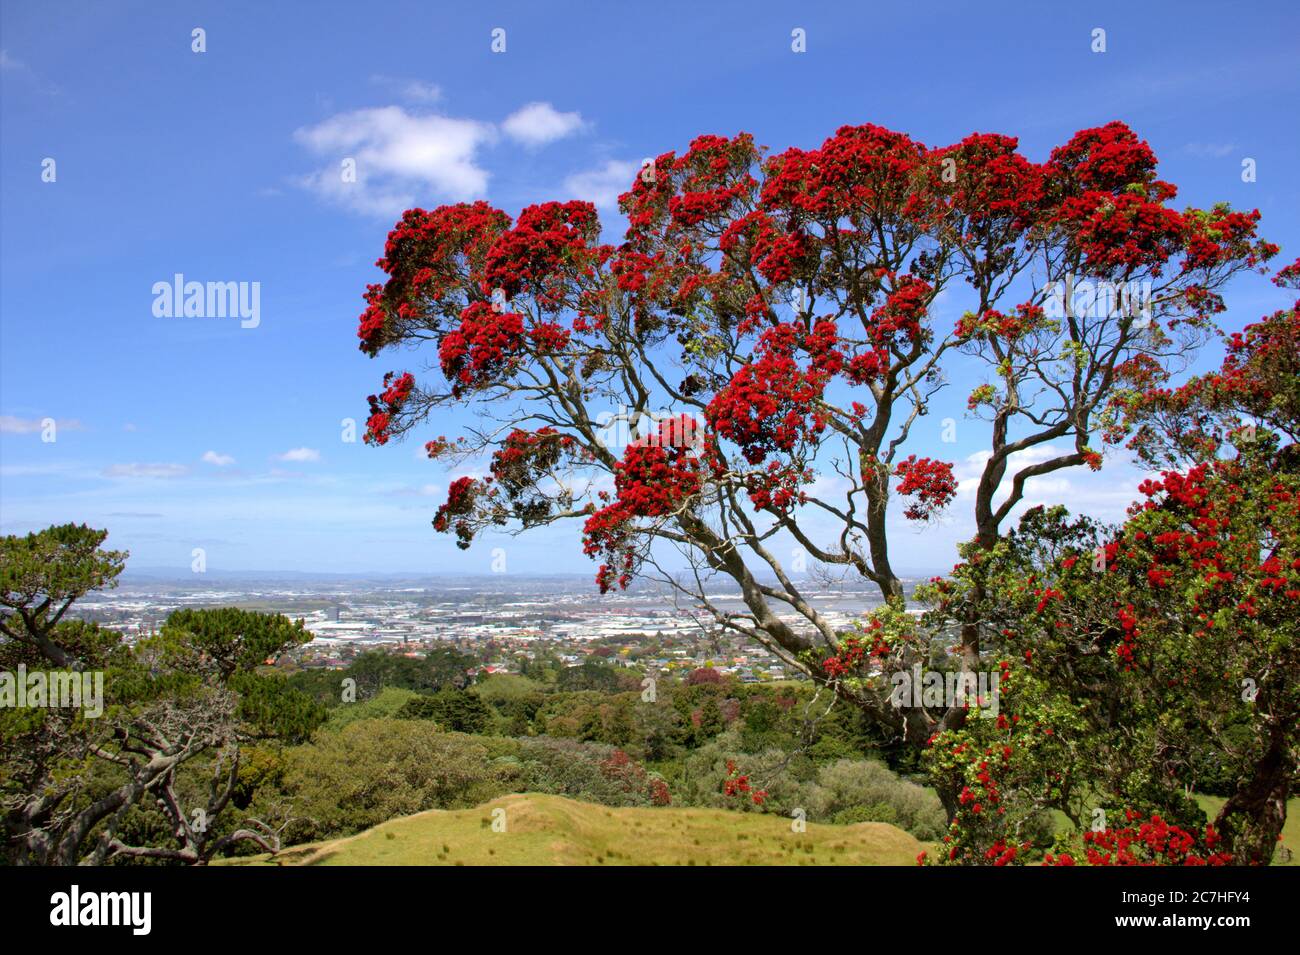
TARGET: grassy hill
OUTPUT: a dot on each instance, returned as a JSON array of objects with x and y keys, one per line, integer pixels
[{"x": 552, "y": 830}]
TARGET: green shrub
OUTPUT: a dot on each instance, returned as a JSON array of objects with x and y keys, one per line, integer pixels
[
  {"x": 879, "y": 812},
  {"x": 373, "y": 770},
  {"x": 587, "y": 771},
  {"x": 384, "y": 705},
  {"x": 847, "y": 785},
  {"x": 458, "y": 710}
]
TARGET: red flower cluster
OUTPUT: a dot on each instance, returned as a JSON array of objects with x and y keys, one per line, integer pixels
[
  {"x": 931, "y": 481},
  {"x": 853, "y": 651},
  {"x": 1153, "y": 842},
  {"x": 1220, "y": 236},
  {"x": 771, "y": 404},
  {"x": 714, "y": 177},
  {"x": 1112, "y": 204},
  {"x": 383, "y": 407},
  {"x": 524, "y": 459},
  {"x": 548, "y": 338},
  {"x": 899, "y": 321},
  {"x": 1123, "y": 234},
  {"x": 547, "y": 245},
  {"x": 860, "y": 172},
  {"x": 776, "y": 254},
  {"x": 630, "y": 776},
  {"x": 1288, "y": 276},
  {"x": 993, "y": 182},
  {"x": 373, "y": 320},
  {"x": 461, "y": 496},
  {"x": 486, "y": 346},
  {"x": 1001, "y": 854},
  {"x": 735, "y": 785},
  {"x": 434, "y": 261},
  {"x": 1108, "y": 158},
  {"x": 654, "y": 479},
  {"x": 1006, "y": 327}
]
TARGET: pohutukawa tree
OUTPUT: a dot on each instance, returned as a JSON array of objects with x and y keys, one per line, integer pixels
[
  {"x": 790, "y": 306},
  {"x": 1147, "y": 661}
]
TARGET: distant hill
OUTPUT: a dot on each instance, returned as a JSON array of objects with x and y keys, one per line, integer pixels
[{"x": 552, "y": 830}]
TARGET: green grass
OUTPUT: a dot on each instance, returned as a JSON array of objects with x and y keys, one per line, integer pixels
[{"x": 552, "y": 830}]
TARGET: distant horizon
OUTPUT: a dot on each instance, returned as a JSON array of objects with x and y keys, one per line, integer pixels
[{"x": 176, "y": 574}]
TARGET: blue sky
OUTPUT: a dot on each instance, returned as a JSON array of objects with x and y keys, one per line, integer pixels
[{"x": 178, "y": 433}]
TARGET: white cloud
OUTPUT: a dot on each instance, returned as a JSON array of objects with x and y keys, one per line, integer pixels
[
  {"x": 11, "y": 64},
  {"x": 603, "y": 185},
  {"x": 11, "y": 425},
  {"x": 300, "y": 454},
  {"x": 414, "y": 91},
  {"x": 537, "y": 124},
  {"x": 419, "y": 92},
  {"x": 829, "y": 486},
  {"x": 969, "y": 471},
  {"x": 62, "y": 469},
  {"x": 1104, "y": 496},
  {"x": 422, "y": 490},
  {"x": 146, "y": 470},
  {"x": 1210, "y": 150},
  {"x": 220, "y": 460},
  {"x": 401, "y": 158}
]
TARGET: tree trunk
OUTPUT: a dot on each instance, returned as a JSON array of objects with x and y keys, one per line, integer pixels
[{"x": 1251, "y": 821}]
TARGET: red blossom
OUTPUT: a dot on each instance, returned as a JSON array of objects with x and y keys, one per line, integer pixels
[{"x": 931, "y": 481}]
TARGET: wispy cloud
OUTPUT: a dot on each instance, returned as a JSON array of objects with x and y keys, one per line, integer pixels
[
  {"x": 603, "y": 185},
  {"x": 1210, "y": 150},
  {"x": 219, "y": 460},
  {"x": 538, "y": 124},
  {"x": 300, "y": 455},
  {"x": 13, "y": 65},
  {"x": 50, "y": 469},
  {"x": 137, "y": 470},
  {"x": 413, "y": 91},
  {"x": 423, "y": 490},
  {"x": 11, "y": 425}
]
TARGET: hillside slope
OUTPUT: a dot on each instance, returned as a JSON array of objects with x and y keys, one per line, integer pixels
[{"x": 552, "y": 830}]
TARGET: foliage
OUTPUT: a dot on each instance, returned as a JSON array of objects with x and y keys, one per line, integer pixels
[
  {"x": 161, "y": 763},
  {"x": 373, "y": 770}
]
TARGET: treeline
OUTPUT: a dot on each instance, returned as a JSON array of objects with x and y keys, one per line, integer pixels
[{"x": 420, "y": 736}]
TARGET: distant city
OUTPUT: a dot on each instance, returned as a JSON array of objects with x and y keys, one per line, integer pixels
[{"x": 501, "y": 620}]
